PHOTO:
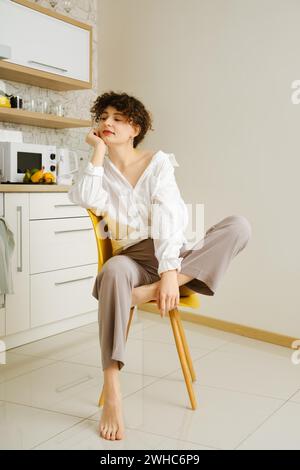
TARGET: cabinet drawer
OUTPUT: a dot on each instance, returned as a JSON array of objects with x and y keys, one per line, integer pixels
[
  {"x": 53, "y": 206},
  {"x": 62, "y": 294},
  {"x": 61, "y": 243}
]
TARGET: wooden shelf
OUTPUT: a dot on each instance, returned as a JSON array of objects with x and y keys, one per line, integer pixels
[
  {"x": 20, "y": 116},
  {"x": 22, "y": 74}
]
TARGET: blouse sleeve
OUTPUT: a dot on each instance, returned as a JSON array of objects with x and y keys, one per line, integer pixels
[
  {"x": 88, "y": 191},
  {"x": 169, "y": 218}
]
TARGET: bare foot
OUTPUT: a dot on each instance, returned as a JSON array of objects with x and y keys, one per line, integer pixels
[
  {"x": 111, "y": 425},
  {"x": 143, "y": 294}
]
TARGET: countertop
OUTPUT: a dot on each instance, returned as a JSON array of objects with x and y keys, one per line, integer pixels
[{"x": 33, "y": 188}]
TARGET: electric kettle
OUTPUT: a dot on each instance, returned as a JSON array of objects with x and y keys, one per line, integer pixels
[{"x": 67, "y": 164}]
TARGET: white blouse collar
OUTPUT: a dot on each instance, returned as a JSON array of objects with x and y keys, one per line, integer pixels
[{"x": 120, "y": 174}]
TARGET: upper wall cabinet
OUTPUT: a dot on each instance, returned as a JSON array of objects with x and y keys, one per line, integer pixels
[{"x": 48, "y": 49}]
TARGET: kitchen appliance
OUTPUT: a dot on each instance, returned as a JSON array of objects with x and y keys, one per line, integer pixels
[
  {"x": 17, "y": 157},
  {"x": 67, "y": 162}
]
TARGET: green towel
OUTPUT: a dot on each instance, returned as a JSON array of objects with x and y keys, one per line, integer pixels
[{"x": 7, "y": 244}]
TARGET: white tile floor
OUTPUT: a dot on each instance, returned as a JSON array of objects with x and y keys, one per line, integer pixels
[{"x": 248, "y": 392}]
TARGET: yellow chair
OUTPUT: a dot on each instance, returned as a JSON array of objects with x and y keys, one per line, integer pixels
[{"x": 192, "y": 300}]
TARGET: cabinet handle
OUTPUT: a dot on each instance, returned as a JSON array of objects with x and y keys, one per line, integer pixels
[
  {"x": 47, "y": 65},
  {"x": 19, "y": 235},
  {"x": 75, "y": 230},
  {"x": 73, "y": 280}
]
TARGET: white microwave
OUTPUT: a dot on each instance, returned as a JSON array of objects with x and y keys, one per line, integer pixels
[{"x": 17, "y": 157}]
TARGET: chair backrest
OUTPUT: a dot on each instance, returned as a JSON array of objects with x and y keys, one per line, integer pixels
[{"x": 104, "y": 245}]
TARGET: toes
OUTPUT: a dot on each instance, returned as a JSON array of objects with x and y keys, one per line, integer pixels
[{"x": 108, "y": 434}]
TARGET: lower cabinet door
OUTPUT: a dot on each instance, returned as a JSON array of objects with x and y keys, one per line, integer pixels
[
  {"x": 62, "y": 294},
  {"x": 17, "y": 303}
]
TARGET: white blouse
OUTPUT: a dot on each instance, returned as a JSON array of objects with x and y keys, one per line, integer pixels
[{"x": 153, "y": 208}]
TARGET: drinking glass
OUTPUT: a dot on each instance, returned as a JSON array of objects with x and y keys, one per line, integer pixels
[{"x": 67, "y": 4}]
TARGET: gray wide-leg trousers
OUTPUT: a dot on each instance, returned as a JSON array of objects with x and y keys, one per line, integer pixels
[{"x": 207, "y": 262}]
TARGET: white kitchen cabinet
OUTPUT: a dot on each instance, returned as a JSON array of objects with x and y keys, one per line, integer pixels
[
  {"x": 53, "y": 206},
  {"x": 57, "y": 228},
  {"x": 54, "y": 266},
  {"x": 44, "y": 42},
  {"x": 17, "y": 305},
  {"x": 61, "y": 294},
  {"x": 54, "y": 244}
]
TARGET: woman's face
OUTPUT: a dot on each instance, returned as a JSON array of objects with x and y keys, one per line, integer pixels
[{"x": 118, "y": 124}]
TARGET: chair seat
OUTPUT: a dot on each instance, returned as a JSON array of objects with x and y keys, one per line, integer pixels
[{"x": 191, "y": 301}]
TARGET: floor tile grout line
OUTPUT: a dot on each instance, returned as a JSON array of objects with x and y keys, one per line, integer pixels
[
  {"x": 173, "y": 438},
  {"x": 84, "y": 364},
  {"x": 57, "y": 434},
  {"x": 127, "y": 428},
  {"x": 243, "y": 393},
  {"x": 197, "y": 384},
  {"x": 52, "y": 361},
  {"x": 290, "y": 398},
  {"x": 89, "y": 417},
  {"x": 163, "y": 377},
  {"x": 172, "y": 343},
  {"x": 70, "y": 362},
  {"x": 157, "y": 379},
  {"x": 67, "y": 332},
  {"x": 35, "y": 407},
  {"x": 262, "y": 423},
  {"x": 13, "y": 350},
  {"x": 222, "y": 388},
  {"x": 37, "y": 355}
]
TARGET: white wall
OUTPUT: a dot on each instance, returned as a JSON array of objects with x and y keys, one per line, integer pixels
[{"x": 217, "y": 74}]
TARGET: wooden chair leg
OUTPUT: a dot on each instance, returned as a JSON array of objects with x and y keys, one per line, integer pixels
[
  {"x": 101, "y": 398},
  {"x": 182, "y": 357},
  {"x": 185, "y": 346}
]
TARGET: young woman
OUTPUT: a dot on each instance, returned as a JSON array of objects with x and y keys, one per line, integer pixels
[{"x": 135, "y": 191}]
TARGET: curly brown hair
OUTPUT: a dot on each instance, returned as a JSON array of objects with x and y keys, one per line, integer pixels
[{"x": 132, "y": 108}]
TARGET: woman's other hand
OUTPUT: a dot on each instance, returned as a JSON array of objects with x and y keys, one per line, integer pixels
[{"x": 168, "y": 292}]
